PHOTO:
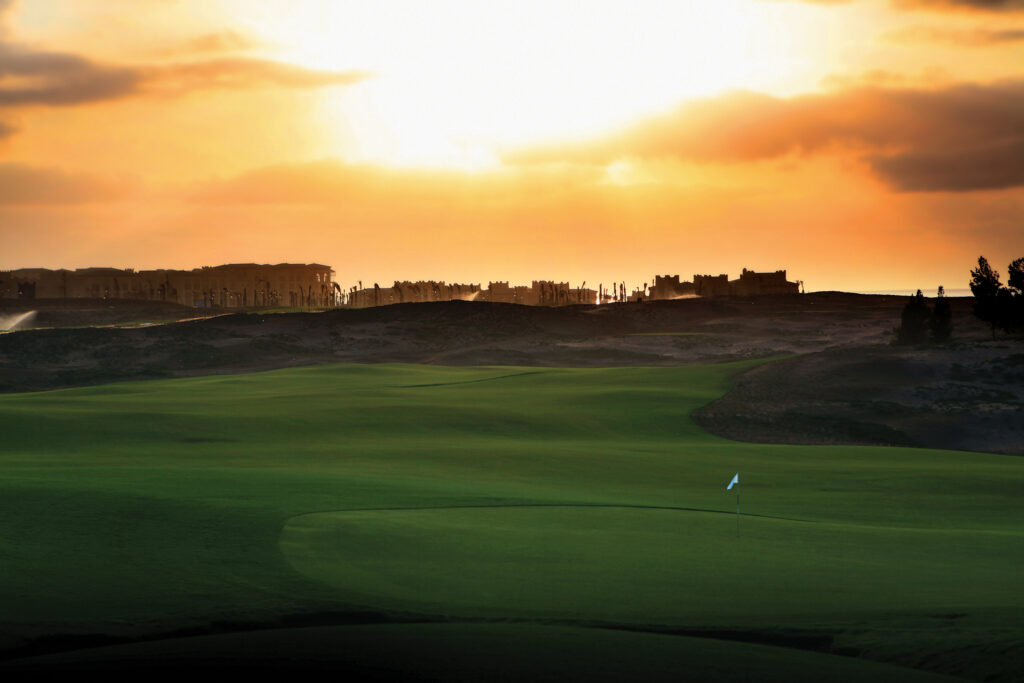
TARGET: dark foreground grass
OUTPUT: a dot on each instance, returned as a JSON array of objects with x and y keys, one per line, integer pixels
[
  {"x": 474, "y": 495},
  {"x": 470, "y": 652}
]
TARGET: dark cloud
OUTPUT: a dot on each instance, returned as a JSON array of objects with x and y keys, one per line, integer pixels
[
  {"x": 985, "y": 168},
  {"x": 21, "y": 184},
  {"x": 35, "y": 77},
  {"x": 970, "y": 122},
  {"x": 29, "y": 77},
  {"x": 978, "y": 5},
  {"x": 968, "y": 5},
  {"x": 979, "y": 37}
]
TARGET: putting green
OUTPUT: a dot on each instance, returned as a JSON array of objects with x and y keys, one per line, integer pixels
[{"x": 630, "y": 565}]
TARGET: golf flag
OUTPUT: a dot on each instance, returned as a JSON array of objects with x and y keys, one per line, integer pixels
[{"x": 735, "y": 480}]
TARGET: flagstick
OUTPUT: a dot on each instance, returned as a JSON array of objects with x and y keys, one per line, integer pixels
[
  {"x": 737, "y": 509},
  {"x": 736, "y": 482}
]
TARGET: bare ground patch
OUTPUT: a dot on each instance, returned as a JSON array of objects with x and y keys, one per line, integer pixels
[{"x": 967, "y": 396}]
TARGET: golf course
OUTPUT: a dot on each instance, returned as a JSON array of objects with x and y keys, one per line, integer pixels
[{"x": 401, "y": 521}]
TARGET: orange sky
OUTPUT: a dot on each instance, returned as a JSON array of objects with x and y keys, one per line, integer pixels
[{"x": 863, "y": 145}]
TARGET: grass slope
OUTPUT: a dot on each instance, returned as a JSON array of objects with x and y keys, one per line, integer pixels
[
  {"x": 470, "y": 652},
  {"x": 579, "y": 496}
]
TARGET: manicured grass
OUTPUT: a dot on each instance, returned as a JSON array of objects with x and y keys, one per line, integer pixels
[
  {"x": 666, "y": 566},
  {"x": 584, "y": 496}
]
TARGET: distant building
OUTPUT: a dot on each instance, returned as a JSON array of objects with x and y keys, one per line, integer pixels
[
  {"x": 228, "y": 286},
  {"x": 407, "y": 292},
  {"x": 711, "y": 285},
  {"x": 749, "y": 283},
  {"x": 669, "y": 287},
  {"x": 539, "y": 293},
  {"x": 499, "y": 291}
]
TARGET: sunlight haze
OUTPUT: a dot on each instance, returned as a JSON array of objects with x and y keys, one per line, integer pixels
[{"x": 861, "y": 145}]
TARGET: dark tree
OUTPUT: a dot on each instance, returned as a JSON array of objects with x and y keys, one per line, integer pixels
[
  {"x": 1009, "y": 310},
  {"x": 985, "y": 287},
  {"x": 915, "y": 321},
  {"x": 1015, "y": 278},
  {"x": 984, "y": 280},
  {"x": 942, "y": 318}
]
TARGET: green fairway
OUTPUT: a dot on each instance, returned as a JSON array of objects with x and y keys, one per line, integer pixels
[{"x": 582, "y": 496}]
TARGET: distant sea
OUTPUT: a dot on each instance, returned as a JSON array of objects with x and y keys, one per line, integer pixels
[{"x": 912, "y": 292}]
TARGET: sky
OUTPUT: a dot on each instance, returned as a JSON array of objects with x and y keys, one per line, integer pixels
[{"x": 862, "y": 145}]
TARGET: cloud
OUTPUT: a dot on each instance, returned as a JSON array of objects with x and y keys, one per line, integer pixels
[
  {"x": 30, "y": 77},
  {"x": 35, "y": 77},
  {"x": 746, "y": 125},
  {"x": 978, "y": 37},
  {"x": 974, "y": 5},
  {"x": 984, "y": 168},
  {"x": 227, "y": 40},
  {"x": 966, "y": 122},
  {"x": 22, "y": 184},
  {"x": 962, "y": 5},
  {"x": 7, "y": 129},
  {"x": 234, "y": 73},
  {"x": 930, "y": 78}
]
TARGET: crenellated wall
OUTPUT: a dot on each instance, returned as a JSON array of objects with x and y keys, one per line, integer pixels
[
  {"x": 749, "y": 283},
  {"x": 228, "y": 286}
]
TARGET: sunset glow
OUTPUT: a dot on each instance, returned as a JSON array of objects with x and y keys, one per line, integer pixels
[
  {"x": 466, "y": 77},
  {"x": 862, "y": 145}
]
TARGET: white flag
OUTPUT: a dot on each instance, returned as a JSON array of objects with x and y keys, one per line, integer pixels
[{"x": 735, "y": 480}]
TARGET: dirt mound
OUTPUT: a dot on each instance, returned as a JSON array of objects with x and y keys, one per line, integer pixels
[{"x": 966, "y": 396}]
